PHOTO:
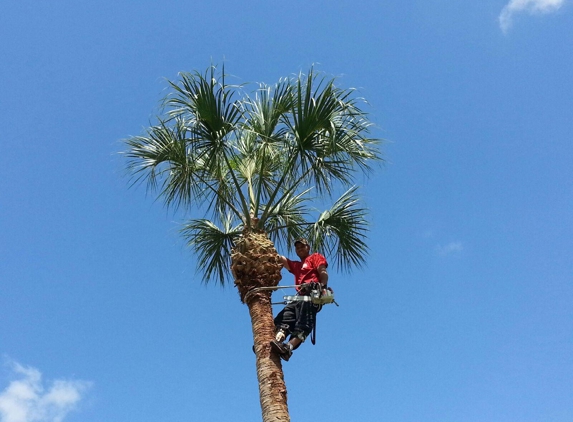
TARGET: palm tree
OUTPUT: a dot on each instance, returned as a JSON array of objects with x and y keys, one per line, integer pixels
[{"x": 250, "y": 166}]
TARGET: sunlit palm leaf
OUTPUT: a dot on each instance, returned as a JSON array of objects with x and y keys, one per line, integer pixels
[
  {"x": 349, "y": 139},
  {"x": 207, "y": 106},
  {"x": 341, "y": 231},
  {"x": 161, "y": 158},
  {"x": 267, "y": 108},
  {"x": 223, "y": 195},
  {"x": 287, "y": 221},
  {"x": 213, "y": 246},
  {"x": 206, "y": 102},
  {"x": 215, "y": 154},
  {"x": 265, "y": 136},
  {"x": 330, "y": 131}
]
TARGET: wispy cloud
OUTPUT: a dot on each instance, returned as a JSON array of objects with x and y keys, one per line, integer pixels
[
  {"x": 528, "y": 6},
  {"x": 27, "y": 400},
  {"x": 450, "y": 248}
]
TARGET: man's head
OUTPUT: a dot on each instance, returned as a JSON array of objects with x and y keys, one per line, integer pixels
[{"x": 302, "y": 248}]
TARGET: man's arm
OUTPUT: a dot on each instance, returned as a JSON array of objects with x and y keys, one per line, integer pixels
[
  {"x": 284, "y": 261},
  {"x": 322, "y": 275}
]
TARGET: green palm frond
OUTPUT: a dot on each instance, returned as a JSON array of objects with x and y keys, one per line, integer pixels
[
  {"x": 265, "y": 136},
  {"x": 341, "y": 231},
  {"x": 224, "y": 194},
  {"x": 350, "y": 141},
  {"x": 268, "y": 108},
  {"x": 333, "y": 141},
  {"x": 287, "y": 222},
  {"x": 216, "y": 151},
  {"x": 206, "y": 102},
  {"x": 328, "y": 138},
  {"x": 161, "y": 158},
  {"x": 212, "y": 115},
  {"x": 213, "y": 246}
]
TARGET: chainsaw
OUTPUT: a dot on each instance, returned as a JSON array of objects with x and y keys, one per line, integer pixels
[{"x": 317, "y": 296}]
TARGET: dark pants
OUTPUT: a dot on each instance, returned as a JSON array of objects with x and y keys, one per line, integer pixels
[{"x": 297, "y": 319}]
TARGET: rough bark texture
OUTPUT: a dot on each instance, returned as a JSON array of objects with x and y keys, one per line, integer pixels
[
  {"x": 255, "y": 263},
  {"x": 272, "y": 389}
]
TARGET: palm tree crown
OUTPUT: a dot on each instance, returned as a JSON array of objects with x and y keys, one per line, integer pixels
[{"x": 258, "y": 161}]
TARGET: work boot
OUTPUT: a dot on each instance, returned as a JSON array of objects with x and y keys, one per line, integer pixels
[{"x": 282, "y": 349}]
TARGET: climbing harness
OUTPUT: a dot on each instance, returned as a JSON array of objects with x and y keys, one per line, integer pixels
[{"x": 317, "y": 295}]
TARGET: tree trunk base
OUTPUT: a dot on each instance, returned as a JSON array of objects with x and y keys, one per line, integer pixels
[{"x": 272, "y": 388}]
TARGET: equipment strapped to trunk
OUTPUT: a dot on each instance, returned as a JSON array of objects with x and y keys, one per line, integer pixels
[{"x": 317, "y": 296}]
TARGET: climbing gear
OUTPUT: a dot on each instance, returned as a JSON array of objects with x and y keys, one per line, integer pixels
[
  {"x": 314, "y": 293},
  {"x": 284, "y": 351},
  {"x": 281, "y": 333},
  {"x": 317, "y": 294}
]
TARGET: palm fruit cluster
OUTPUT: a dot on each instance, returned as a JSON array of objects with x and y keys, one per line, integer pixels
[{"x": 255, "y": 262}]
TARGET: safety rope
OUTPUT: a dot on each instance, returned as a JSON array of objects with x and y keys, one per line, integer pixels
[
  {"x": 290, "y": 299},
  {"x": 258, "y": 289}
]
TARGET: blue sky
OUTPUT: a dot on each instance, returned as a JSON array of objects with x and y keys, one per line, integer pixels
[{"x": 464, "y": 312}]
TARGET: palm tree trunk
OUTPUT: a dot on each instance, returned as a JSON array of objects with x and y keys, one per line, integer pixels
[
  {"x": 255, "y": 264},
  {"x": 272, "y": 389}
]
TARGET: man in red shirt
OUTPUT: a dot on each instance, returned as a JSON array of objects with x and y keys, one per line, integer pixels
[{"x": 298, "y": 318}]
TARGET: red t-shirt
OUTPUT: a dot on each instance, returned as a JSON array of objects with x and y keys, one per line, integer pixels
[{"x": 307, "y": 271}]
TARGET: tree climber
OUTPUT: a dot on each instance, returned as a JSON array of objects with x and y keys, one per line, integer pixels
[{"x": 299, "y": 318}]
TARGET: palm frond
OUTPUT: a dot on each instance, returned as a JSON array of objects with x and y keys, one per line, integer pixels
[
  {"x": 217, "y": 152},
  {"x": 223, "y": 196},
  {"x": 341, "y": 231},
  {"x": 164, "y": 159},
  {"x": 205, "y": 101},
  {"x": 213, "y": 116},
  {"x": 213, "y": 246},
  {"x": 349, "y": 138},
  {"x": 329, "y": 135},
  {"x": 207, "y": 105},
  {"x": 161, "y": 158},
  {"x": 287, "y": 221}
]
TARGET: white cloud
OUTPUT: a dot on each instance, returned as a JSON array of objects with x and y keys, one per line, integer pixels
[
  {"x": 451, "y": 247},
  {"x": 529, "y": 6},
  {"x": 26, "y": 400}
]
